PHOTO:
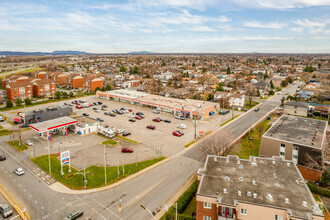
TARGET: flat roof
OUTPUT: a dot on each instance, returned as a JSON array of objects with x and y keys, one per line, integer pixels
[
  {"x": 85, "y": 120},
  {"x": 182, "y": 104},
  {"x": 299, "y": 130},
  {"x": 261, "y": 181},
  {"x": 52, "y": 124}
]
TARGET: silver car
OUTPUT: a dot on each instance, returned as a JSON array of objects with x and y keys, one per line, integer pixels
[
  {"x": 29, "y": 143},
  {"x": 5, "y": 210}
]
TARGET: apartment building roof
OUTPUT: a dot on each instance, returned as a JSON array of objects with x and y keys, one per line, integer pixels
[
  {"x": 43, "y": 81},
  {"x": 298, "y": 104},
  {"x": 299, "y": 130},
  {"x": 271, "y": 182},
  {"x": 19, "y": 84}
]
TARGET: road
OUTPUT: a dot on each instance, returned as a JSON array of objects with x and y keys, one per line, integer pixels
[{"x": 152, "y": 189}]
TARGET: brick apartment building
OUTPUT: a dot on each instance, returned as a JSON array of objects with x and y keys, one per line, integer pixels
[
  {"x": 13, "y": 78},
  {"x": 19, "y": 90},
  {"x": 131, "y": 84},
  {"x": 89, "y": 83},
  {"x": 44, "y": 88},
  {"x": 78, "y": 82},
  {"x": 256, "y": 189},
  {"x": 298, "y": 139}
]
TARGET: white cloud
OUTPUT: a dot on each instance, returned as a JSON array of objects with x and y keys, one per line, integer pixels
[
  {"x": 279, "y": 4},
  {"x": 246, "y": 38},
  {"x": 297, "y": 29},
  {"x": 257, "y": 24},
  {"x": 314, "y": 27},
  {"x": 200, "y": 28},
  {"x": 193, "y": 4}
]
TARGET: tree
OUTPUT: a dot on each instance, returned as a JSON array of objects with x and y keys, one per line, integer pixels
[
  {"x": 271, "y": 92},
  {"x": 290, "y": 80},
  {"x": 27, "y": 101},
  {"x": 97, "y": 89},
  {"x": 258, "y": 93},
  {"x": 193, "y": 64},
  {"x": 18, "y": 102},
  {"x": 9, "y": 104},
  {"x": 169, "y": 83},
  {"x": 107, "y": 88},
  {"x": 284, "y": 83},
  {"x": 228, "y": 70},
  {"x": 305, "y": 77},
  {"x": 204, "y": 70},
  {"x": 64, "y": 94},
  {"x": 219, "y": 87},
  {"x": 282, "y": 101},
  {"x": 271, "y": 84},
  {"x": 216, "y": 144},
  {"x": 163, "y": 63},
  {"x": 58, "y": 95},
  {"x": 325, "y": 179},
  {"x": 122, "y": 69},
  {"x": 135, "y": 70},
  {"x": 71, "y": 94},
  {"x": 266, "y": 76},
  {"x": 309, "y": 68},
  {"x": 250, "y": 92}
]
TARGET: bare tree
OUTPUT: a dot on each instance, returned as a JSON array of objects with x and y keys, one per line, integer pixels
[
  {"x": 305, "y": 76},
  {"x": 250, "y": 92},
  {"x": 216, "y": 144},
  {"x": 313, "y": 160}
]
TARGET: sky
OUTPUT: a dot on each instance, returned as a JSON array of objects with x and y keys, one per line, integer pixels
[{"x": 166, "y": 26}]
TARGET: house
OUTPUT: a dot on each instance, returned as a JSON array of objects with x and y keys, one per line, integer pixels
[
  {"x": 237, "y": 101},
  {"x": 323, "y": 109},
  {"x": 86, "y": 125},
  {"x": 131, "y": 84},
  {"x": 256, "y": 189},
  {"x": 304, "y": 94},
  {"x": 44, "y": 88},
  {"x": 296, "y": 108},
  {"x": 261, "y": 85},
  {"x": 299, "y": 139},
  {"x": 19, "y": 90}
]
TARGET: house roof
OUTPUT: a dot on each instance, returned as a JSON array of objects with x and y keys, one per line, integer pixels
[{"x": 261, "y": 181}]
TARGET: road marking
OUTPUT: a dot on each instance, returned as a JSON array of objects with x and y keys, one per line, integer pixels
[
  {"x": 42, "y": 207},
  {"x": 107, "y": 208},
  {"x": 14, "y": 217},
  {"x": 44, "y": 176},
  {"x": 90, "y": 207},
  {"x": 30, "y": 195}
]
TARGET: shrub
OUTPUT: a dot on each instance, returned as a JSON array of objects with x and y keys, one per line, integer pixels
[
  {"x": 318, "y": 190},
  {"x": 317, "y": 113},
  {"x": 271, "y": 92},
  {"x": 9, "y": 104},
  {"x": 27, "y": 101}
]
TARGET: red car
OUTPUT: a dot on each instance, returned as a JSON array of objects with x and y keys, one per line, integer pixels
[
  {"x": 156, "y": 119},
  {"x": 130, "y": 110},
  {"x": 151, "y": 127},
  {"x": 77, "y": 103},
  {"x": 127, "y": 150},
  {"x": 78, "y": 107},
  {"x": 90, "y": 105},
  {"x": 137, "y": 117},
  {"x": 175, "y": 133}
]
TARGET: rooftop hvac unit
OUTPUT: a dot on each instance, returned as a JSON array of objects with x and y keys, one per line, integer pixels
[
  {"x": 241, "y": 179},
  {"x": 287, "y": 200},
  {"x": 224, "y": 190},
  {"x": 239, "y": 193},
  {"x": 249, "y": 193},
  {"x": 304, "y": 203}
]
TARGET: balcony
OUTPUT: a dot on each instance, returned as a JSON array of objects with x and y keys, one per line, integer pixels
[{"x": 224, "y": 218}]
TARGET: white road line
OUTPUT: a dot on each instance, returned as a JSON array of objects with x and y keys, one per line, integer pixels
[
  {"x": 107, "y": 208},
  {"x": 90, "y": 207},
  {"x": 14, "y": 217}
]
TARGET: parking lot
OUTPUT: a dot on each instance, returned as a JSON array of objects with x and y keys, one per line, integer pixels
[{"x": 88, "y": 150}]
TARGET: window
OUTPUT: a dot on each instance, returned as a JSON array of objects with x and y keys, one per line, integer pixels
[
  {"x": 244, "y": 211},
  {"x": 278, "y": 217},
  {"x": 282, "y": 153},
  {"x": 207, "y": 218},
  {"x": 295, "y": 157},
  {"x": 283, "y": 145},
  {"x": 207, "y": 205}
]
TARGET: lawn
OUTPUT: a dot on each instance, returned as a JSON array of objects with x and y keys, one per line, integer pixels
[
  {"x": 109, "y": 142},
  {"x": 250, "y": 144},
  {"x": 127, "y": 139},
  {"x": 94, "y": 174},
  {"x": 4, "y": 132},
  {"x": 17, "y": 146},
  {"x": 229, "y": 120},
  {"x": 191, "y": 207},
  {"x": 247, "y": 106},
  {"x": 23, "y": 71},
  {"x": 190, "y": 143}
]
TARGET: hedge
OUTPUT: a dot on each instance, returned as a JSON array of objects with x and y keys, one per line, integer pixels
[
  {"x": 183, "y": 202},
  {"x": 318, "y": 190}
]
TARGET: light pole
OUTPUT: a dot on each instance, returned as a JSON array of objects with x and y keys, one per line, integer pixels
[
  {"x": 105, "y": 169},
  {"x": 166, "y": 207},
  {"x": 195, "y": 125},
  {"x": 50, "y": 169},
  {"x": 144, "y": 207}
]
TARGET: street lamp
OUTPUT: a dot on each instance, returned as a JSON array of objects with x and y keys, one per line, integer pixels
[
  {"x": 105, "y": 168},
  {"x": 144, "y": 207},
  {"x": 166, "y": 208}
]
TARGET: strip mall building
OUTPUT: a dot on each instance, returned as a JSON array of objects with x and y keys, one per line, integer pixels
[{"x": 187, "y": 107}]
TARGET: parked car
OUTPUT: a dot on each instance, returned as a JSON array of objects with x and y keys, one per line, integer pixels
[
  {"x": 182, "y": 126},
  {"x": 177, "y": 117},
  {"x": 3, "y": 157},
  {"x": 100, "y": 119},
  {"x": 78, "y": 107},
  {"x": 95, "y": 103},
  {"x": 85, "y": 114},
  {"x": 126, "y": 133},
  {"x": 151, "y": 127},
  {"x": 160, "y": 118},
  {"x": 104, "y": 106},
  {"x": 130, "y": 110},
  {"x": 139, "y": 113},
  {"x": 138, "y": 117},
  {"x": 1, "y": 119},
  {"x": 95, "y": 108},
  {"x": 132, "y": 120},
  {"x": 155, "y": 111},
  {"x": 100, "y": 103},
  {"x": 5, "y": 210},
  {"x": 127, "y": 150},
  {"x": 24, "y": 126},
  {"x": 141, "y": 116},
  {"x": 180, "y": 132},
  {"x": 156, "y": 119},
  {"x": 19, "y": 171},
  {"x": 120, "y": 131},
  {"x": 167, "y": 121},
  {"x": 74, "y": 215},
  {"x": 123, "y": 109},
  {"x": 256, "y": 109},
  {"x": 29, "y": 143},
  {"x": 131, "y": 116},
  {"x": 175, "y": 133},
  {"x": 112, "y": 114}
]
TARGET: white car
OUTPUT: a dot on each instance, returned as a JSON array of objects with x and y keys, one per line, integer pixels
[
  {"x": 182, "y": 126},
  {"x": 131, "y": 116},
  {"x": 279, "y": 108},
  {"x": 156, "y": 111},
  {"x": 19, "y": 171},
  {"x": 1, "y": 119},
  {"x": 120, "y": 131},
  {"x": 29, "y": 143}
]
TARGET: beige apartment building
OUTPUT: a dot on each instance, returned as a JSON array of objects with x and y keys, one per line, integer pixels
[
  {"x": 231, "y": 188},
  {"x": 298, "y": 139},
  {"x": 295, "y": 108}
]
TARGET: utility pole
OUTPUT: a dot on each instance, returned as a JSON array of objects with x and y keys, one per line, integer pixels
[
  {"x": 50, "y": 169},
  {"x": 105, "y": 169},
  {"x": 118, "y": 170},
  {"x": 195, "y": 125}
]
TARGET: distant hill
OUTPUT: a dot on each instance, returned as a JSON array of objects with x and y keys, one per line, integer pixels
[
  {"x": 57, "y": 52},
  {"x": 141, "y": 52}
]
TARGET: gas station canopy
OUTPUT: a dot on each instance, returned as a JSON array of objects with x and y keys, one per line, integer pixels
[{"x": 53, "y": 124}]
